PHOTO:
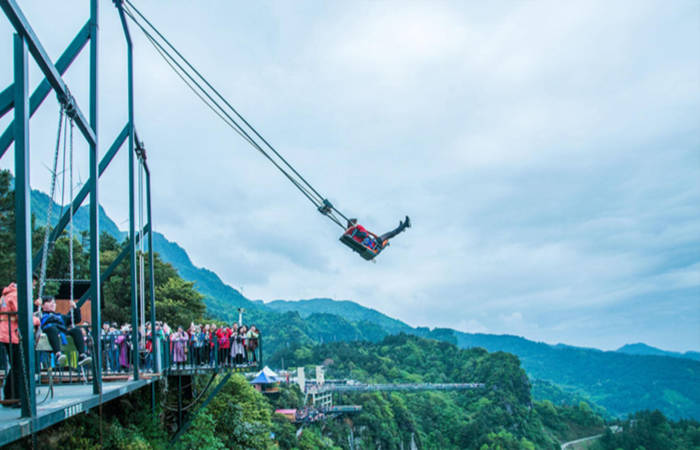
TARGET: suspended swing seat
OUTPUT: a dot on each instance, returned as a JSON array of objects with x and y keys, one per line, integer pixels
[{"x": 356, "y": 239}]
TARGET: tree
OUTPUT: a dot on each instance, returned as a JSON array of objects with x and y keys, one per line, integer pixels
[
  {"x": 241, "y": 414},
  {"x": 7, "y": 229},
  {"x": 177, "y": 301}
]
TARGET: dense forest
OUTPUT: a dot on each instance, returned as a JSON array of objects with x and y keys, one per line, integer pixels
[
  {"x": 503, "y": 415},
  {"x": 649, "y": 430}
]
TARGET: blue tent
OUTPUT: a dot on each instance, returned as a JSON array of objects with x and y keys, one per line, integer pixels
[{"x": 262, "y": 378}]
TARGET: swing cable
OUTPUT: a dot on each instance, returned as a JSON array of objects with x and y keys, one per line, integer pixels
[
  {"x": 322, "y": 204},
  {"x": 45, "y": 246}
]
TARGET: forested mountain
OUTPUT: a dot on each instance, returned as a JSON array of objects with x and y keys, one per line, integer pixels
[
  {"x": 500, "y": 415},
  {"x": 348, "y": 310},
  {"x": 619, "y": 382},
  {"x": 221, "y": 299},
  {"x": 644, "y": 349}
]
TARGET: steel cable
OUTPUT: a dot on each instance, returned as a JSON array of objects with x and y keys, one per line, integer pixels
[
  {"x": 230, "y": 121},
  {"x": 222, "y": 98}
]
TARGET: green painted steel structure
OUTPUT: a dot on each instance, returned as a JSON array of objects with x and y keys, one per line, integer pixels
[{"x": 15, "y": 97}]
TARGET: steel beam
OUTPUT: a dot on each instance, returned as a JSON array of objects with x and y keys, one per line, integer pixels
[
  {"x": 192, "y": 416},
  {"x": 7, "y": 100},
  {"x": 68, "y": 405},
  {"x": 23, "y": 228},
  {"x": 21, "y": 25},
  {"x": 93, "y": 184},
  {"x": 132, "y": 208},
  {"x": 84, "y": 191},
  {"x": 151, "y": 271},
  {"x": 42, "y": 91}
]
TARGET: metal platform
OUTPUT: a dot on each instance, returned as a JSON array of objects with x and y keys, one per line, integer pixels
[
  {"x": 68, "y": 401},
  {"x": 203, "y": 370}
]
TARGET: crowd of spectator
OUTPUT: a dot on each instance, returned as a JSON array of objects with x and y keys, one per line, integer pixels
[{"x": 203, "y": 345}]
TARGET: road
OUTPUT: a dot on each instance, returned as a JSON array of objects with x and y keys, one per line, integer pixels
[{"x": 571, "y": 444}]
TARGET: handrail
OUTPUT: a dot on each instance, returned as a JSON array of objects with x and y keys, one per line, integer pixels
[{"x": 189, "y": 357}]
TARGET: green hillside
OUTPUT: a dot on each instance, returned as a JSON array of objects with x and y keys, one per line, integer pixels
[
  {"x": 644, "y": 349},
  {"x": 619, "y": 382},
  {"x": 349, "y": 310},
  {"x": 502, "y": 415},
  {"x": 81, "y": 219},
  {"x": 221, "y": 299}
]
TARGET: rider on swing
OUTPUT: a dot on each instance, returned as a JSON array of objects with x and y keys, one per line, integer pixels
[
  {"x": 56, "y": 327},
  {"x": 372, "y": 241}
]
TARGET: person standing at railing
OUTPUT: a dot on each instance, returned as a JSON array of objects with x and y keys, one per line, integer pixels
[
  {"x": 179, "y": 341},
  {"x": 193, "y": 338},
  {"x": 104, "y": 342},
  {"x": 113, "y": 350},
  {"x": 9, "y": 339},
  {"x": 252, "y": 343},
  {"x": 243, "y": 332},
  {"x": 212, "y": 337},
  {"x": 123, "y": 342},
  {"x": 205, "y": 345},
  {"x": 199, "y": 341},
  {"x": 160, "y": 342},
  {"x": 148, "y": 359},
  {"x": 236, "y": 346},
  {"x": 223, "y": 334}
]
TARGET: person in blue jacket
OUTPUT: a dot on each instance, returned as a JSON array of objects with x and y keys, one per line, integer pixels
[{"x": 56, "y": 327}]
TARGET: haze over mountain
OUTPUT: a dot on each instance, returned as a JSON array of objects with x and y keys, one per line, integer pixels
[{"x": 644, "y": 349}]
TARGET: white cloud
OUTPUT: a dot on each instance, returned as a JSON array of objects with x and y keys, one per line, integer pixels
[{"x": 546, "y": 152}]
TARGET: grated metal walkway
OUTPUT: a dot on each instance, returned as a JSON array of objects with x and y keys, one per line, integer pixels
[{"x": 68, "y": 400}]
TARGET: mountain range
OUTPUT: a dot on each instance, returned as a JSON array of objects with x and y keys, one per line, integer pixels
[
  {"x": 633, "y": 378},
  {"x": 644, "y": 349}
]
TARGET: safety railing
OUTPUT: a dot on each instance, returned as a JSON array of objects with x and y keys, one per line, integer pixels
[
  {"x": 9, "y": 358},
  {"x": 48, "y": 371},
  {"x": 180, "y": 352}
]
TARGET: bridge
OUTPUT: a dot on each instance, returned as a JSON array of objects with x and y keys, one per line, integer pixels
[
  {"x": 320, "y": 391},
  {"x": 406, "y": 387}
]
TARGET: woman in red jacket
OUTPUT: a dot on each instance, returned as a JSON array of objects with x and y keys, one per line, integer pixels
[
  {"x": 224, "y": 337},
  {"x": 9, "y": 338}
]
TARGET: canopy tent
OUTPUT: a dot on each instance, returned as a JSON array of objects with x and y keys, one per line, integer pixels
[
  {"x": 263, "y": 378},
  {"x": 269, "y": 373}
]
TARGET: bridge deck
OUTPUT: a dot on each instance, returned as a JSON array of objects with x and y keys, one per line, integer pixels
[
  {"x": 360, "y": 387},
  {"x": 68, "y": 400}
]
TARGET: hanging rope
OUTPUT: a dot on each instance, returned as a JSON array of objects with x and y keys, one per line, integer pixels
[
  {"x": 44, "y": 255},
  {"x": 222, "y": 111},
  {"x": 142, "y": 272},
  {"x": 218, "y": 110},
  {"x": 70, "y": 228}
]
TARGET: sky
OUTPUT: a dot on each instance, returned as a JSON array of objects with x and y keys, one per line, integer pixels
[{"x": 548, "y": 154}]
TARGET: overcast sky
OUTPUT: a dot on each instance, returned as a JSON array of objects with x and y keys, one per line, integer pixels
[{"x": 548, "y": 154}]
